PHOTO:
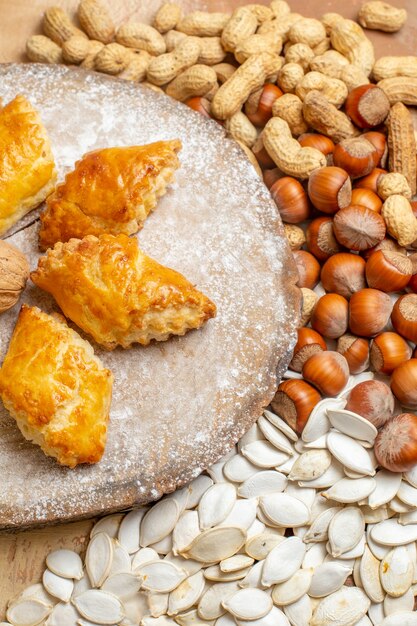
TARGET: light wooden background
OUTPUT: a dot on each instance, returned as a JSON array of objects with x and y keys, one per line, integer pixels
[{"x": 22, "y": 554}]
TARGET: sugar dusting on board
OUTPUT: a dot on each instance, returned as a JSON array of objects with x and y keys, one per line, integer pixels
[{"x": 178, "y": 405}]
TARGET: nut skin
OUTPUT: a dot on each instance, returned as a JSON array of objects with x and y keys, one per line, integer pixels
[
  {"x": 291, "y": 200},
  {"x": 404, "y": 316},
  {"x": 396, "y": 443},
  {"x": 373, "y": 400},
  {"x": 200, "y": 104},
  {"x": 404, "y": 383},
  {"x": 308, "y": 269},
  {"x": 388, "y": 271},
  {"x": 263, "y": 114},
  {"x": 262, "y": 156},
  {"x": 358, "y": 228},
  {"x": 344, "y": 274},
  {"x": 309, "y": 342},
  {"x": 379, "y": 141},
  {"x": 366, "y": 198},
  {"x": 330, "y": 316},
  {"x": 321, "y": 241},
  {"x": 388, "y": 351},
  {"x": 367, "y": 106},
  {"x": 315, "y": 140},
  {"x": 357, "y": 156},
  {"x": 330, "y": 189},
  {"x": 356, "y": 352},
  {"x": 370, "y": 181},
  {"x": 386, "y": 244},
  {"x": 270, "y": 176},
  {"x": 294, "y": 401},
  {"x": 328, "y": 371},
  {"x": 369, "y": 312}
]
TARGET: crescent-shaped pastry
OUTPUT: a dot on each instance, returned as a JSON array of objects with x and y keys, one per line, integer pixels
[
  {"x": 56, "y": 388},
  {"x": 119, "y": 295},
  {"x": 27, "y": 168},
  {"x": 110, "y": 191}
]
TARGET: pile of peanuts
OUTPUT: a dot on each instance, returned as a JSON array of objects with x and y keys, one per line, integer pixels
[{"x": 327, "y": 127}]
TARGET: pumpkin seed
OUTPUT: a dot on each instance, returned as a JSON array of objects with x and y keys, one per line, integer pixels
[
  {"x": 311, "y": 465},
  {"x": 342, "y": 608},
  {"x": 186, "y": 530},
  {"x": 350, "y": 453},
  {"x": 283, "y": 561},
  {"x": 210, "y": 605},
  {"x": 216, "y": 504},
  {"x": 262, "y": 483},
  {"x": 216, "y": 544},
  {"x": 65, "y": 563},
  {"x": 161, "y": 576},
  {"x": 260, "y": 546},
  {"x": 284, "y": 510},
  {"x": 63, "y": 614},
  {"x": 248, "y": 604},
  {"x": 387, "y": 485},
  {"x": 129, "y": 530},
  {"x": 352, "y": 424},
  {"x": 121, "y": 559},
  {"x": 299, "y": 613},
  {"x": 123, "y": 585},
  {"x": 235, "y": 563},
  {"x": 215, "y": 574},
  {"x": 243, "y": 514},
  {"x": 328, "y": 578},
  {"x": 318, "y": 530},
  {"x": 109, "y": 525},
  {"x": 275, "y": 436},
  {"x": 333, "y": 474},
  {"x": 407, "y": 494},
  {"x": 197, "y": 488},
  {"x": 145, "y": 555},
  {"x": 158, "y": 522},
  {"x": 292, "y": 589},
  {"x": 318, "y": 423},
  {"x": 369, "y": 573},
  {"x": 28, "y": 612},
  {"x": 264, "y": 454},
  {"x": 403, "y": 618},
  {"x": 396, "y": 572},
  {"x": 238, "y": 469},
  {"x": 99, "y": 606},
  {"x": 187, "y": 594},
  {"x": 391, "y": 533},
  {"x": 349, "y": 490},
  {"x": 281, "y": 425},
  {"x": 99, "y": 559},
  {"x": 346, "y": 529},
  {"x": 401, "y": 603},
  {"x": 57, "y": 586}
]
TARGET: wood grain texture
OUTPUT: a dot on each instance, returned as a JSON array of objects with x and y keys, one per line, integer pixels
[{"x": 22, "y": 555}]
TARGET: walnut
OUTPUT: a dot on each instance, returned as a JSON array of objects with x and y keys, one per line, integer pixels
[{"x": 14, "y": 272}]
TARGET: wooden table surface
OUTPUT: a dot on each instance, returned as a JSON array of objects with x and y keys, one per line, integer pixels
[{"x": 22, "y": 554}]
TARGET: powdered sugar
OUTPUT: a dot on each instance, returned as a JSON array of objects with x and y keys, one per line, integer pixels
[{"x": 179, "y": 405}]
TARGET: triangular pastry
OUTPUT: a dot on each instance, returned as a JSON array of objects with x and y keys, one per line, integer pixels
[
  {"x": 112, "y": 190},
  {"x": 119, "y": 295},
  {"x": 27, "y": 168},
  {"x": 56, "y": 388}
]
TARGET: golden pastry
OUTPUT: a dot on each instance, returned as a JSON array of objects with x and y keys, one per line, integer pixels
[
  {"x": 56, "y": 388},
  {"x": 27, "y": 169},
  {"x": 119, "y": 295},
  {"x": 110, "y": 191}
]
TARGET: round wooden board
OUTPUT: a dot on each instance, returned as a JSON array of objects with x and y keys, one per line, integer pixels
[{"x": 179, "y": 405}]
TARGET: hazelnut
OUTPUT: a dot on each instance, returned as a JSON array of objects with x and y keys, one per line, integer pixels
[{"x": 14, "y": 272}]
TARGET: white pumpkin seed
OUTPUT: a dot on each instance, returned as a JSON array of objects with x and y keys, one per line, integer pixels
[
  {"x": 210, "y": 605},
  {"x": 191, "y": 618},
  {"x": 397, "y": 506},
  {"x": 27, "y": 612},
  {"x": 364, "y": 621},
  {"x": 284, "y": 510},
  {"x": 157, "y": 621},
  {"x": 318, "y": 423},
  {"x": 281, "y": 425},
  {"x": 262, "y": 483},
  {"x": 217, "y": 544},
  {"x": 187, "y": 594},
  {"x": 235, "y": 563},
  {"x": 408, "y": 518},
  {"x": 129, "y": 530},
  {"x": 403, "y": 618},
  {"x": 215, "y": 574},
  {"x": 158, "y": 604},
  {"x": 159, "y": 521},
  {"x": 161, "y": 576},
  {"x": 275, "y": 436},
  {"x": 299, "y": 613},
  {"x": 328, "y": 578},
  {"x": 387, "y": 485},
  {"x": 275, "y": 617},
  {"x": 396, "y": 572},
  {"x": 145, "y": 555},
  {"x": 163, "y": 546},
  {"x": 99, "y": 606},
  {"x": 287, "y": 466},
  {"x": 264, "y": 454},
  {"x": 376, "y": 613},
  {"x": 253, "y": 577},
  {"x": 352, "y": 424},
  {"x": 305, "y": 494},
  {"x": 391, "y": 533},
  {"x": 407, "y": 494},
  {"x": 122, "y": 585},
  {"x": 349, "y": 490},
  {"x": 315, "y": 555},
  {"x": 136, "y": 608},
  {"x": 373, "y": 516},
  {"x": 354, "y": 553},
  {"x": 239, "y": 469},
  {"x": 121, "y": 559},
  {"x": 402, "y": 603},
  {"x": 63, "y": 614},
  {"x": 36, "y": 591},
  {"x": 251, "y": 435},
  {"x": 98, "y": 559},
  {"x": 319, "y": 444},
  {"x": 311, "y": 465},
  {"x": 81, "y": 585},
  {"x": 65, "y": 563},
  {"x": 181, "y": 497},
  {"x": 261, "y": 545},
  {"x": 57, "y": 586},
  {"x": 350, "y": 453},
  {"x": 369, "y": 573},
  {"x": 216, "y": 472},
  {"x": 216, "y": 504},
  {"x": 342, "y": 608},
  {"x": 186, "y": 529},
  {"x": 109, "y": 525},
  {"x": 411, "y": 476},
  {"x": 248, "y": 604},
  {"x": 255, "y": 529},
  {"x": 318, "y": 530},
  {"x": 377, "y": 549},
  {"x": 283, "y": 561},
  {"x": 346, "y": 529},
  {"x": 188, "y": 565},
  {"x": 292, "y": 589},
  {"x": 196, "y": 489},
  {"x": 243, "y": 514},
  {"x": 330, "y": 476}
]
